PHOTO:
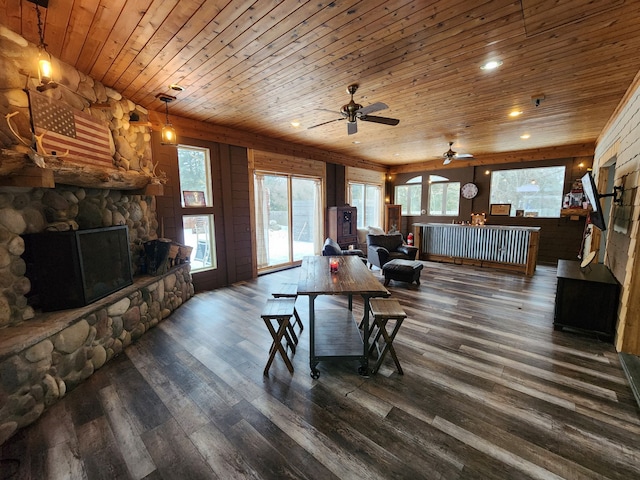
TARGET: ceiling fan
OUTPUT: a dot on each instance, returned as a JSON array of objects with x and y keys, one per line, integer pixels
[
  {"x": 450, "y": 155},
  {"x": 353, "y": 111}
]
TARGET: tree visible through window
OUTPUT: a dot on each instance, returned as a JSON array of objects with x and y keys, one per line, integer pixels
[
  {"x": 536, "y": 191},
  {"x": 367, "y": 199},
  {"x": 194, "y": 167},
  {"x": 410, "y": 196},
  {"x": 444, "y": 198}
]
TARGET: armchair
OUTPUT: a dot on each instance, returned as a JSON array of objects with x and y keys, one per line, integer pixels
[
  {"x": 332, "y": 249},
  {"x": 382, "y": 248}
]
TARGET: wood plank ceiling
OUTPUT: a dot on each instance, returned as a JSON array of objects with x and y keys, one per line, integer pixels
[{"x": 256, "y": 66}]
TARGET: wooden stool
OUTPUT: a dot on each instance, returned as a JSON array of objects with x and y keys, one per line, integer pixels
[
  {"x": 290, "y": 290},
  {"x": 280, "y": 310},
  {"x": 383, "y": 310}
]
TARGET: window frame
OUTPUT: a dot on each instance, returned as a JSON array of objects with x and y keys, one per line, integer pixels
[
  {"x": 534, "y": 176},
  {"x": 447, "y": 185},
  {"x": 409, "y": 210},
  {"x": 189, "y": 213}
]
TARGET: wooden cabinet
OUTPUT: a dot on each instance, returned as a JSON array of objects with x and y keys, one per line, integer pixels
[
  {"x": 342, "y": 225},
  {"x": 392, "y": 217},
  {"x": 586, "y": 298}
]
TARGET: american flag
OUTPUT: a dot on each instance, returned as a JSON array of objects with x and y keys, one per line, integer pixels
[{"x": 86, "y": 138}]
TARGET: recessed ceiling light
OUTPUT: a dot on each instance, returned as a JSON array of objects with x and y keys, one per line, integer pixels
[
  {"x": 524, "y": 136},
  {"x": 295, "y": 123},
  {"x": 515, "y": 113},
  {"x": 492, "y": 65},
  {"x": 176, "y": 87},
  {"x": 356, "y": 142}
]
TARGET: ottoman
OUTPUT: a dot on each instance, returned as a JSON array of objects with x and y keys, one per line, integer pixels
[{"x": 402, "y": 270}]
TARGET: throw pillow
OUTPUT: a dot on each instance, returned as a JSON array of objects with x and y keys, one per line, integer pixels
[{"x": 376, "y": 231}]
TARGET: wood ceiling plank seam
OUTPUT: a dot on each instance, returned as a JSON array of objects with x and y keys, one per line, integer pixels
[
  {"x": 29, "y": 21},
  {"x": 244, "y": 48},
  {"x": 287, "y": 50},
  {"x": 12, "y": 14},
  {"x": 55, "y": 27},
  {"x": 106, "y": 15},
  {"x": 324, "y": 53},
  {"x": 272, "y": 53},
  {"x": 557, "y": 14},
  {"x": 405, "y": 31},
  {"x": 412, "y": 68},
  {"x": 330, "y": 40},
  {"x": 409, "y": 67},
  {"x": 182, "y": 52},
  {"x": 141, "y": 59},
  {"x": 233, "y": 85},
  {"x": 148, "y": 27},
  {"x": 220, "y": 57},
  {"x": 79, "y": 22},
  {"x": 331, "y": 65},
  {"x": 125, "y": 25}
]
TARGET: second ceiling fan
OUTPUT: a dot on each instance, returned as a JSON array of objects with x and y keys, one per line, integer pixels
[
  {"x": 450, "y": 155},
  {"x": 352, "y": 112}
]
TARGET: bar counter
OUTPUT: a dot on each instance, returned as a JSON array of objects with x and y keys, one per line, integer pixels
[{"x": 498, "y": 246}]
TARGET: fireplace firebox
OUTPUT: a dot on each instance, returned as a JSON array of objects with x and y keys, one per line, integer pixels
[{"x": 73, "y": 269}]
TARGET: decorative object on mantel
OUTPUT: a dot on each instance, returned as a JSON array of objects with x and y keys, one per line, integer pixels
[
  {"x": 168, "y": 136},
  {"x": 45, "y": 71},
  {"x": 84, "y": 138}
]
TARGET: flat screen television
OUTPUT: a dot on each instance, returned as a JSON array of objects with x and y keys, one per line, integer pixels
[{"x": 591, "y": 192}]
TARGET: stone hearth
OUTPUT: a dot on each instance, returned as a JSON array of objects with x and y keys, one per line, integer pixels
[{"x": 43, "y": 358}]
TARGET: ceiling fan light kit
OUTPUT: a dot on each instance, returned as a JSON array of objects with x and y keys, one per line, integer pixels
[{"x": 352, "y": 112}]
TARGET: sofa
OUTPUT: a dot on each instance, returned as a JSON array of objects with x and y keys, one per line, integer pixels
[
  {"x": 332, "y": 249},
  {"x": 383, "y": 248}
]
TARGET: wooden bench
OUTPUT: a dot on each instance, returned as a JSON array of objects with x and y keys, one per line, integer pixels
[
  {"x": 290, "y": 290},
  {"x": 278, "y": 311},
  {"x": 383, "y": 310}
]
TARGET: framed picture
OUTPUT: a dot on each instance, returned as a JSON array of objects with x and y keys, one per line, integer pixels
[
  {"x": 519, "y": 213},
  {"x": 194, "y": 198},
  {"x": 500, "y": 209}
]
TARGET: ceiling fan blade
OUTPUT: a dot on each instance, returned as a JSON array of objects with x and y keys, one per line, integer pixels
[
  {"x": 324, "y": 123},
  {"x": 464, "y": 155},
  {"x": 447, "y": 161},
  {"x": 352, "y": 127},
  {"x": 374, "y": 107},
  {"x": 384, "y": 120}
]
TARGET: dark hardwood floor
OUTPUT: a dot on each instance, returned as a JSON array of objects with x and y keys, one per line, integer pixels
[{"x": 489, "y": 390}]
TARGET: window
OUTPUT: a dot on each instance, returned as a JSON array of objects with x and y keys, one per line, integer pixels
[
  {"x": 194, "y": 168},
  {"x": 444, "y": 198},
  {"x": 367, "y": 198},
  {"x": 410, "y": 196},
  {"x": 537, "y": 192}
]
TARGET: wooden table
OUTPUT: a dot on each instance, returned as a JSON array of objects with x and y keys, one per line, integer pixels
[{"x": 334, "y": 333}]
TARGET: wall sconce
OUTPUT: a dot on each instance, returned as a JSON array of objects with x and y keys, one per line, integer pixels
[
  {"x": 45, "y": 71},
  {"x": 168, "y": 136}
]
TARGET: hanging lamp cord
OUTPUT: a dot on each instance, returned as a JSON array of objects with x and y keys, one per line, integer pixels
[{"x": 40, "y": 32}]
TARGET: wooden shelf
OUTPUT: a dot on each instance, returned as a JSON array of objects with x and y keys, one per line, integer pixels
[{"x": 572, "y": 212}]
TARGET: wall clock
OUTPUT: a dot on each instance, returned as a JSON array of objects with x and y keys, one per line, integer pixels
[{"x": 469, "y": 190}]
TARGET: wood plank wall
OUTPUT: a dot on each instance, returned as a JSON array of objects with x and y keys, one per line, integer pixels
[
  {"x": 560, "y": 238},
  {"x": 231, "y": 209}
]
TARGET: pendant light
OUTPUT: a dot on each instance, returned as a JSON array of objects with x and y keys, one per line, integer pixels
[
  {"x": 168, "y": 136},
  {"x": 45, "y": 71}
]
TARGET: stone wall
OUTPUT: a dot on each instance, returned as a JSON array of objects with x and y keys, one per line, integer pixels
[
  {"x": 131, "y": 143},
  {"x": 41, "y": 360},
  {"x": 34, "y": 210}
]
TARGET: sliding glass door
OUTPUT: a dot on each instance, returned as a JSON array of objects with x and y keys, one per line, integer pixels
[{"x": 288, "y": 219}]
